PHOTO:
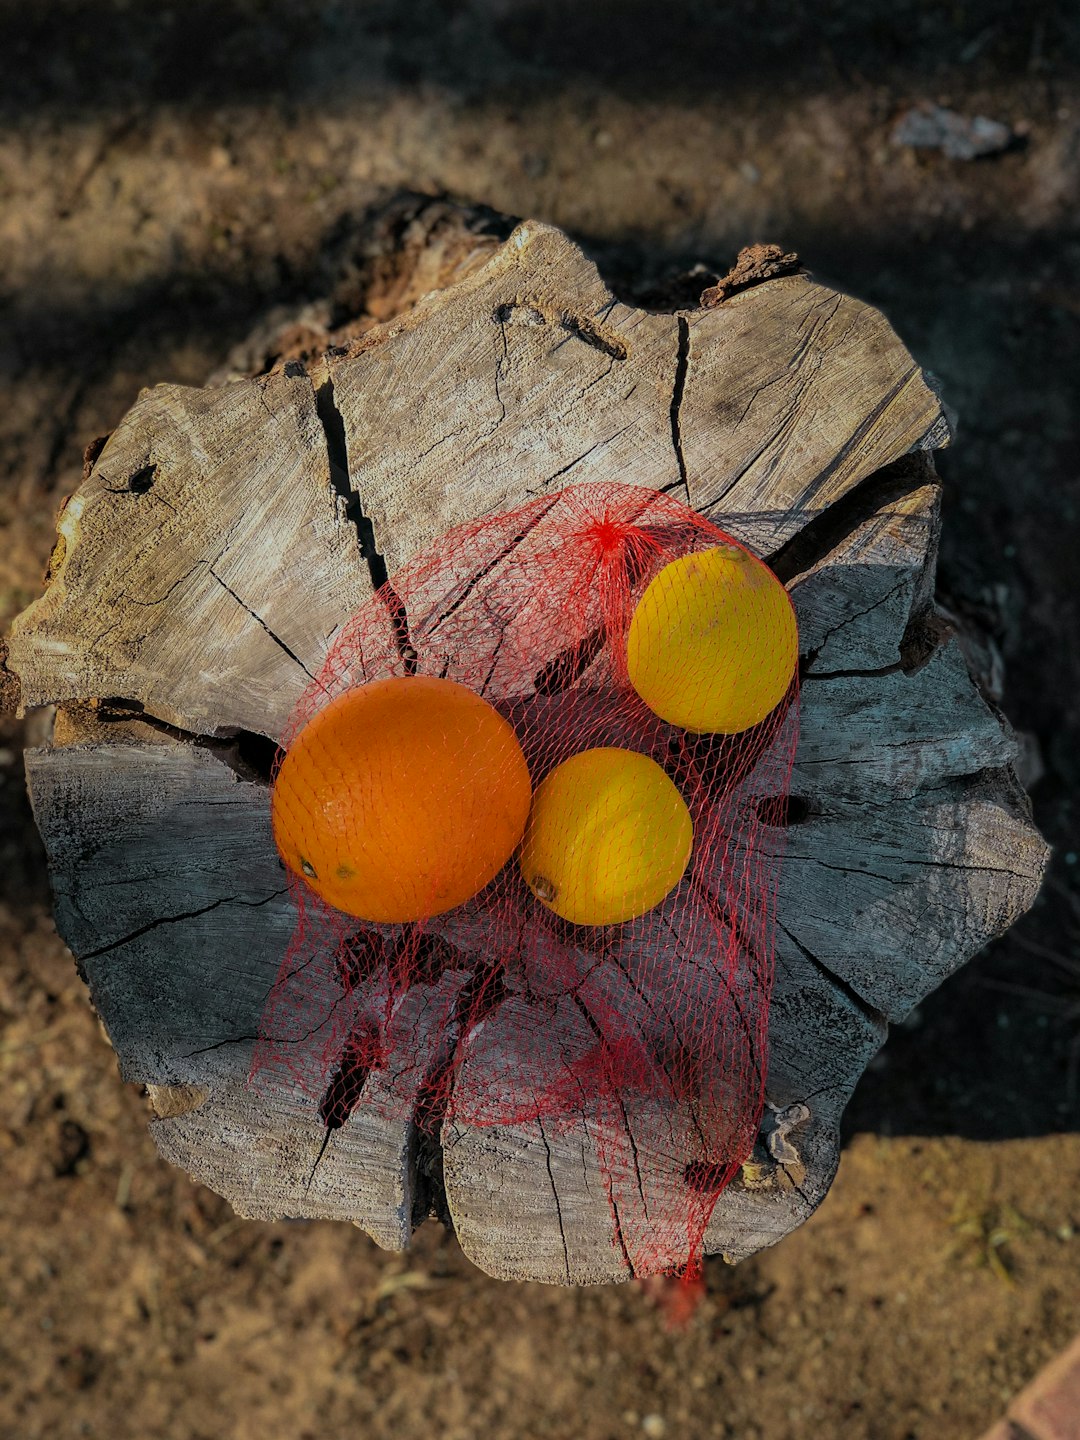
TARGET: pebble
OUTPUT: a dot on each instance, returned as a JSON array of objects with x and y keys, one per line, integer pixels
[
  {"x": 655, "y": 1426},
  {"x": 959, "y": 137}
]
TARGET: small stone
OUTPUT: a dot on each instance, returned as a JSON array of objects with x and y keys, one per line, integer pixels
[
  {"x": 958, "y": 137},
  {"x": 655, "y": 1426}
]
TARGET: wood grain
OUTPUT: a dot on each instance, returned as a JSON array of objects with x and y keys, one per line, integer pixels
[
  {"x": 175, "y": 576},
  {"x": 218, "y": 546}
]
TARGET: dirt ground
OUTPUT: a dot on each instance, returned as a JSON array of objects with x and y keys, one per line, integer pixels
[{"x": 167, "y": 175}]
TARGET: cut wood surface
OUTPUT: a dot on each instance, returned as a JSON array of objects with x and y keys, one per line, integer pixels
[{"x": 223, "y": 537}]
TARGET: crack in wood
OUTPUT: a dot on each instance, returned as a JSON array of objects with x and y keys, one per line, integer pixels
[
  {"x": 880, "y": 672},
  {"x": 610, "y": 439},
  {"x": 811, "y": 656},
  {"x": 795, "y": 361},
  {"x": 337, "y": 453},
  {"x": 160, "y": 599},
  {"x": 912, "y": 742},
  {"x": 555, "y": 1194},
  {"x": 580, "y": 327},
  {"x": 485, "y": 570},
  {"x": 342, "y": 1093},
  {"x": 327, "y": 1136},
  {"x": 617, "y": 1228},
  {"x": 425, "y": 1155},
  {"x": 260, "y": 621},
  {"x": 820, "y": 536},
  {"x": 877, "y": 1017},
  {"x": 426, "y": 1178},
  {"x": 500, "y": 361},
  {"x": 935, "y": 864},
  {"x": 775, "y": 436},
  {"x": 682, "y": 365},
  {"x": 602, "y": 376},
  {"x": 248, "y": 754},
  {"x": 175, "y": 919},
  {"x": 853, "y": 871},
  {"x": 590, "y": 1021},
  {"x": 247, "y": 1039}
]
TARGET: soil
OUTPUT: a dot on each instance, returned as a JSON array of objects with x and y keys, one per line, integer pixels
[{"x": 168, "y": 175}]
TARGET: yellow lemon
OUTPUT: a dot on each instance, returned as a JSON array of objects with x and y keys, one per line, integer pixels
[
  {"x": 713, "y": 642},
  {"x": 608, "y": 837}
]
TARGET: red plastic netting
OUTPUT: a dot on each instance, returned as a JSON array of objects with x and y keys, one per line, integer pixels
[{"x": 611, "y": 975}]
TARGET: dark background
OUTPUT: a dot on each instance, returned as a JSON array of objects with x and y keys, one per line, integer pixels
[{"x": 170, "y": 173}]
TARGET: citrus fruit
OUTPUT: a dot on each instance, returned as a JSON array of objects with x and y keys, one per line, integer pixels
[
  {"x": 608, "y": 837},
  {"x": 713, "y": 642},
  {"x": 401, "y": 799}
]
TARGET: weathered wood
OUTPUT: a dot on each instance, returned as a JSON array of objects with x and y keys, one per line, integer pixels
[
  {"x": 787, "y": 407},
  {"x": 207, "y": 588},
  {"x": 854, "y": 603},
  {"x": 525, "y": 377},
  {"x": 162, "y": 853},
  {"x": 761, "y": 412},
  {"x": 175, "y": 574}
]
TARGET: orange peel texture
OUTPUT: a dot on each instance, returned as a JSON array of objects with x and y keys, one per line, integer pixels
[{"x": 401, "y": 799}]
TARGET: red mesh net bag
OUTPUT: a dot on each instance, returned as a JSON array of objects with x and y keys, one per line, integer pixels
[{"x": 532, "y": 809}]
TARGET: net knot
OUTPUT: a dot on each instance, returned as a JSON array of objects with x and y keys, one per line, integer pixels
[{"x": 608, "y": 534}]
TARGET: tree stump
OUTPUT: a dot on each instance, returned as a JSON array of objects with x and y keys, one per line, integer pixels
[{"x": 223, "y": 536}]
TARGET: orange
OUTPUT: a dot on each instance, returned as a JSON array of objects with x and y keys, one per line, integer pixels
[
  {"x": 608, "y": 838},
  {"x": 713, "y": 642},
  {"x": 401, "y": 799}
]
